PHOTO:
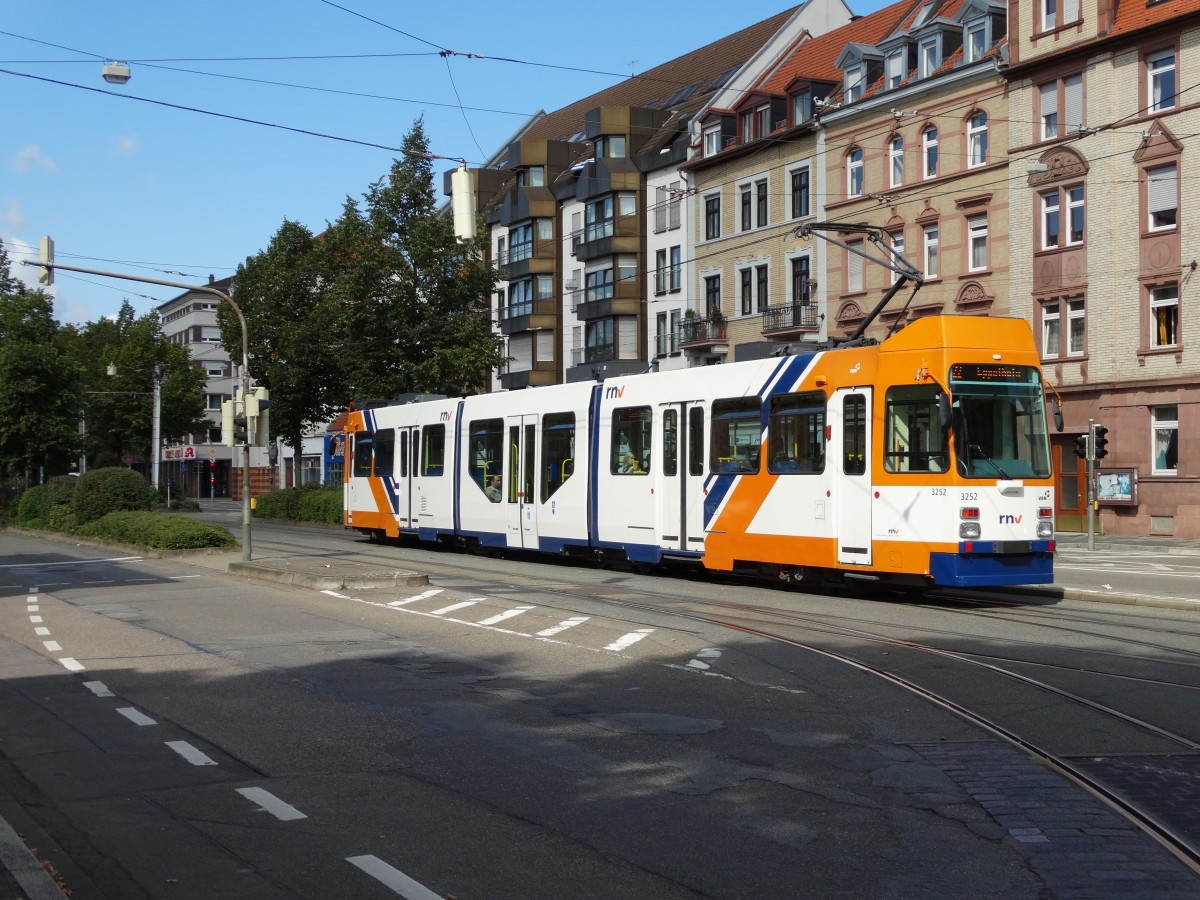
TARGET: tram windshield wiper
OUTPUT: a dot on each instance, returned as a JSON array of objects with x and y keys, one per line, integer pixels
[{"x": 977, "y": 453}]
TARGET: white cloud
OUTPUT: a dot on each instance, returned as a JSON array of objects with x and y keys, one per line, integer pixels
[
  {"x": 12, "y": 218},
  {"x": 124, "y": 145},
  {"x": 18, "y": 250},
  {"x": 29, "y": 158}
]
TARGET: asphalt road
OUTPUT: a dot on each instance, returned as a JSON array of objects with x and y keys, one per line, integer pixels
[{"x": 179, "y": 733}]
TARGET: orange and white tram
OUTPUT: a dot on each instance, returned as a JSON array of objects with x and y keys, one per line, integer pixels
[{"x": 923, "y": 459}]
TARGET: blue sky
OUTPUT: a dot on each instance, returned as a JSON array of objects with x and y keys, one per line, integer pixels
[{"x": 170, "y": 192}]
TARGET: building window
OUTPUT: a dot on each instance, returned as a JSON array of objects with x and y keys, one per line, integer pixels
[
  {"x": 747, "y": 205},
  {"x": 854, "y": 172},
  {"x": 975, "y": 42},
  {"x": 1164, "y": 316},
  {"x": 977, "y": 139},
  {"x": 854, "y": 266},
  {"x": 896, "y": 161},
  {"x": 599, "y": 214},
  {"x": 536, "y": 176},
  {"x": 598, "y": 285},
  {"x": 1049, "y": 110},
  {"x": 853, "y": 83},
  {"x": 897, "y": 240},
  {"x": 712, "y": 217},
  {"x": 1165, "y": 422},
  {"x": 544, "y": 287},
  {"x": 676, "y": 268},
  {"x": 802, "y": 107},
  {"x": 1160, "y": 80},
  {"x": 977, "y": 234},
  {"x": 930, "y": 250},
  {"x": 760, "y": 204},
  {"x": 712, "y": 140},
  {"x": 626, "y": 268},
  {"x": 928, "y": 58},
  {"x": 1162, "y": 197},
  {"x": 712, "y": 294},
  {"x": 1063, "y": 96},
  {"x": 1049, "y": 15},
  {"x": 520, "y": 298},
  {"x": 600, "y": 347},
  {"x": 893, "y": 69},
  {"x": 660, "y": 210},
  {"x": 1052, "y": 329},
  {"x": 762, "y": 119},
  {"x": 545, "y": 229},
  {"x": 801, "y": 281},
  {"x": 929, "y": 143},
  {"x": 674, "y": 205},
  {"x": 761, "y": 283},
  {"x": 800, "y": 192},
  {"x": 747, "y": 291},
  {"x": 660, "y": 272},
  {"x": 747, "y": 127},
  {"x": 213, "y": 401},
  {"x": 1052, "y": 205}
]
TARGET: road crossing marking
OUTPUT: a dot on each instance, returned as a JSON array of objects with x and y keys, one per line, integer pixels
[
  {"x": 626, "y": 641},
  {"x": 507, "y": 614},
  {"x": 53, "y": 646},
  {"x": 98, "y": 688},
  {"x": 137, "y": 717},
  {"x": 423, "y": 596},
  {"x": 285, "y": 812},
  {"x": 563, "y": 626},
  {"x": 71, "y": 664},
  {"x": 456, "y": 606},
  {"x": 708, "y": 653},
  {"x": 41, "y": 632}
]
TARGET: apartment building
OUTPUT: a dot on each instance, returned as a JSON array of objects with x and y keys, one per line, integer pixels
[{"x": 1102, "y": 259}]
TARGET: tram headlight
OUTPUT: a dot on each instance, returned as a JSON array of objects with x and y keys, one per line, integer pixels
[
  {"x": 969, "y": 531},
  {"x": 1045, "y": 530}
]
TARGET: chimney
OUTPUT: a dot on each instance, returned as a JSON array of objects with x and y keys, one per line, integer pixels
[{"x": 211, "y": 280}]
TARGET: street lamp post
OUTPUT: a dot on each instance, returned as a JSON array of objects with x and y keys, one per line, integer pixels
[{"x": 206, "y": 289}]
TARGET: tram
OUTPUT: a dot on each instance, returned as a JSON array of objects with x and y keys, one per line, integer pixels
[{"x": 921, "y": 460}]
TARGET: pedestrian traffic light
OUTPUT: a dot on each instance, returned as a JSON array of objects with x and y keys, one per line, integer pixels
[
  {"x": 1099, "y": 441},
  {"x": 1081, "y": 446},
  {"x": 233, "y": 422}
]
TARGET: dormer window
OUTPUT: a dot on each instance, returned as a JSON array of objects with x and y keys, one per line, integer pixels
[
  {"x": 536, "y": 176},
  {"x": 928, "y": 55},
  {"x": 854, "y": 83},
  {"x": 712, "y": 140},
  {"x": 747, "y": 127},
  {"x": 894, "y": 69},
  {"x": 975, "y": 39},
  {"x": 802, "y": 107},
  {"x": 762, "y": 117}
]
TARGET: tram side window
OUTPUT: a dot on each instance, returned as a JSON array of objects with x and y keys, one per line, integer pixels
[
  {"x": 631, "y": 433},
  {"x": 486, "y": 457},
  {"x": 364, "y": 449},
  {"x": 385, "y": 452},
  {"x": 558, "y": 451},
  {"x": 854, "y": 428},
  {"x": 670, "y": 429},
  {"x": 433, "y": 449},
  {"x": 695, "y": 457},
  {"x": 796, "y": 433},
  {"x": 913, "y": 440},
  {"x": 736, "y": 435}
]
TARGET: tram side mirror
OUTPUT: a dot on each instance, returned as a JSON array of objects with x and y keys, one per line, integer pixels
[
  {"x": 1058, "y": 416},
  {"x": 944, "y": 411}
]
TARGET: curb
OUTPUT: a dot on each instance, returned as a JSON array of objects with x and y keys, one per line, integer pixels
[{"x": 310, "y": 572}]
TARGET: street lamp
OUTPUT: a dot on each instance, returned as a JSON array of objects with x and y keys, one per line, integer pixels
[{"x": 115, "y": 72}]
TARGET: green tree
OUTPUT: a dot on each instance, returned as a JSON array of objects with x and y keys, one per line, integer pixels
[
  {"x": 120, "y": 407},
  {"x": 39, "y": 387}
]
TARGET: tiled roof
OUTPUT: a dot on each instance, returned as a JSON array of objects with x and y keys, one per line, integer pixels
[
  {"x": 815, "y": 58},
  {"x": 1134, "y": 15},
  {"x": 700, "y": 67}
]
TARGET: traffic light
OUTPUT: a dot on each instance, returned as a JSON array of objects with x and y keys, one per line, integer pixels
[
  {"x": 258, "y": 411},
  {"x": 1081, "y": 446},
  {"x": 233, "y": 422},
  {"x": 46, "y": 255},
  {"x": 1099, "y": 441}
]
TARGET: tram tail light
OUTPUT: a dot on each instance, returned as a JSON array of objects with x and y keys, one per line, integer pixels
[
  {"x": 1045, "y": 526},
  {"x": 968, "y": 528}
]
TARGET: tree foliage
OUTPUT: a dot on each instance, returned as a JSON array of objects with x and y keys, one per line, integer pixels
[
  {"x": 385, "y": 301},
  {"x": 39, "y": 386}
]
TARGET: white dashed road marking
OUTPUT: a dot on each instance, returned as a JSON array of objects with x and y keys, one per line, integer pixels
[
  {"x": 711, "y": 654},
  {"x": 190, "y": 753},
  {"x": 71, "y": 664},
  {"x": 453, "y": 607},
  {"x": 507, "y": 614},
  {"x": 627, "y": 641},
  {"x": 53, "y": 646},
  {"x": 393, "y": 878},
  {"x": 424, "y": 596},
  {"x": 285, "y": 812},
  {"x": 137, "y": 717},
  {"x": 563, "y": 626},
  {"x": 98, "y": 688}
]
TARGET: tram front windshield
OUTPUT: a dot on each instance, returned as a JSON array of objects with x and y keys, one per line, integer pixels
[{"x": 998, "y": 421}]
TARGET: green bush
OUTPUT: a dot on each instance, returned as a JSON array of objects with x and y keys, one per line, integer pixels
[
  {"x": 323, "y": 505},
  {"x": 102, "y": 491},
  {"x": 311, "y": 503},
  {"x": 157, "y": 530},
  {"x": 29, "y": 507}
]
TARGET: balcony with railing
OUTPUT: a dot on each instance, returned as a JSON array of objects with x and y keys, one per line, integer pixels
[
  {"x": 790, "y": 320},
  {"x": 621, "y": 234},
  {"x": 528, "y": 316},
  {"x": 703, "y": 334}
]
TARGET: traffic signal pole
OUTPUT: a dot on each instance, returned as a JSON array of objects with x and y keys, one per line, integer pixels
[
  {"x": 1091, "y": 485},
  {"x": 48, "y": 264}
]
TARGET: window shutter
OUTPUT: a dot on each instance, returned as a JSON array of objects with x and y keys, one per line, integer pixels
[
  {"x": 855, "y": 277},
  {"x": 627, "y": 338},
  {"x": 660, "y": 209},
  {"x": 1073, "y": 103},
  {"x": 1070, "y": 10},
  {"x": 1049, "y": 98},
  {"x": 520, "y": 348},
  {"x": 1162, "y": 188}
]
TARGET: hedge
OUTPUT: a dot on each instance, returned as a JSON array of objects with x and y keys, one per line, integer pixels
[
  {"x": 102, "y": 491},
  {"x": 157, "y": 530},
  {"x": 311, "y": 503}
]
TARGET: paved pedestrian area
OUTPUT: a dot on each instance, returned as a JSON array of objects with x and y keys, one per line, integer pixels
[{"x": 1082, "y": 849}]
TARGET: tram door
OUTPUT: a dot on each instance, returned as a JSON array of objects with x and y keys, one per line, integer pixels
[
  {"x": 681, "y": 477},
  {"x": 851, "y": 441},
  {"x": 519, "y": 481},
  {"x": 408, "y": 452}
]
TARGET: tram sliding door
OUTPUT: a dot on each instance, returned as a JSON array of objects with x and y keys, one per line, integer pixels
[
  {"x": 681, "y": 478},
  {"x": 407, "y": 442},
  {"x": 850, "y": 451},
  {"x": 519, "y": 482}
]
